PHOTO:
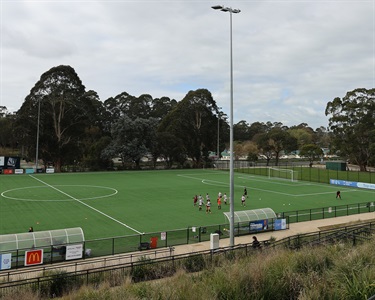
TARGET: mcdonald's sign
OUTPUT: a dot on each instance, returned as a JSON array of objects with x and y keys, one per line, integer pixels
[{"x": 34, "y": 257}]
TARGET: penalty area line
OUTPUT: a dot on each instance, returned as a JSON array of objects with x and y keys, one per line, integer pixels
[{"x": 85, "y": 204}]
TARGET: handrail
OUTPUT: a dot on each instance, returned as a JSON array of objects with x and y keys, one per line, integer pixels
[{"x": 288, "y": 241}]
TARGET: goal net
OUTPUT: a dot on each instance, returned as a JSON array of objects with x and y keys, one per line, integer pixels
[{"x": 287, "y": 174}]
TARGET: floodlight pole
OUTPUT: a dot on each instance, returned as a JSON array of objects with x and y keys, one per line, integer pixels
[
  {"x": 218, "y": 135},
  {"x": 231, "y": 162}
]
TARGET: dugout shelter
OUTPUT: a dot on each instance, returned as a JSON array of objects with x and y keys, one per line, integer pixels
[
  {"x": 256, "y": 220},
  {"x": 40, "y": 239},
  {"x": 252, "y": 215}
]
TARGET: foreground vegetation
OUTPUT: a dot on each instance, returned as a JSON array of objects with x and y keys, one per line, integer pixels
[{"x": 338, "y": 271}]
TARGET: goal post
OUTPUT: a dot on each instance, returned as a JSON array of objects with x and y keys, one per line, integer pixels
[{"x": 287, "y": 174}]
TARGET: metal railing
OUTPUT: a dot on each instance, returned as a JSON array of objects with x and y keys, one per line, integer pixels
[{"x": 142, "y": 268}]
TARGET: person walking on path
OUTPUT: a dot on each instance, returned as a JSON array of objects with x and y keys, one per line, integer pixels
[{"x": 256, "y": 243}]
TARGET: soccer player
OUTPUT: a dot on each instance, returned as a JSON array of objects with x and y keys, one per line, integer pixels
[
  {"x": 200, "y": 202},
  {"x": 243, "y": 199},
  {"x": 225, "y": 198},
  {"x": 208, "y": 206},
  {"x": 219, "y": 203},
  {"x": 195, "y": 200},
  {"x": 338, "y": 194},
  {"x": 207, "y": 197},
  {"x": 245, "y": 192}
]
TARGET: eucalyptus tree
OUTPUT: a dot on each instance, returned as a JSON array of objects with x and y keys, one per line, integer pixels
[
  {"x": 131, "y": 139},
  {"x": 241, "y": 131},
  {"x": 264, "y": 145},
  {"x": 256, "y": 128},
  {"x": 194, "y": 121},
  {"x": 281, "y": 140},
  {"x": 8, "y": 138},
  {"x": 276, "y": 139},
  {"x": 352, "y": 122},
  {"x": 131, "y": 106},
  {"x": 312, "y": 152},
  {"x": 57, "y": 98},
  {"x": 96, "y": 135},
  {"x": 160, "y": 107}
]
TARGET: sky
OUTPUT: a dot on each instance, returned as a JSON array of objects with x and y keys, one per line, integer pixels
[{"x": 290, "y": 58}]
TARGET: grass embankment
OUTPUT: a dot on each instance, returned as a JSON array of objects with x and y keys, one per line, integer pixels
[{"x": 332, "y": 272}]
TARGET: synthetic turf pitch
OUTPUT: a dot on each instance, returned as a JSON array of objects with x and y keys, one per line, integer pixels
[{"x": 108, "y": 204}]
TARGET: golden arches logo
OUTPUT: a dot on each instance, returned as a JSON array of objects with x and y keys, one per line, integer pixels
[{"x": 34, "y": 257}]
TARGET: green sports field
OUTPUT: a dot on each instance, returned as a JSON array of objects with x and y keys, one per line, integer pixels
[{"x": 108, "y": 204}]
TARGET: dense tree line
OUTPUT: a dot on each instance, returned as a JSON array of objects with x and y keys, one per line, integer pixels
[{"x": 74, "y": 126}]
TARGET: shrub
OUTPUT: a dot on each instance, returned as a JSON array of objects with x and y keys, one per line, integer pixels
[{"x": 194, "y": 263}]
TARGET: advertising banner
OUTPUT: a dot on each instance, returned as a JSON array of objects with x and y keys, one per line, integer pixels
[
  {"x": 34, "y": 257},
  {"x": 29, "y": 171},
  {"x": 74, "y": 251},
  {"x": 9, "y": 163},
  {"x": 361, "y": 185},
  {"x": 5, "y": 261},
  {"x": 280, "y": 224},
  {"x": 258, "y": 225}
]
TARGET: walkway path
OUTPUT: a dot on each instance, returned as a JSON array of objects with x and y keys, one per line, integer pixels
[{"x": 294, "y": 229}]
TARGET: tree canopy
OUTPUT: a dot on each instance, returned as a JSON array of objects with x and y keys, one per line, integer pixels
[
  {"x": 76, "y": 127},
  {"x": 352, "y": 121}
]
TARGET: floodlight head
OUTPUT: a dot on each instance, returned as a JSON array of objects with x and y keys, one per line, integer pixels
[{"x": 217, "y": 7}]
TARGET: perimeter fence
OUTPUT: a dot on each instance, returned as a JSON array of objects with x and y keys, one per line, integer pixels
[
  {"x": 191, "y": 235},
  {"x": 147, "y": 267},
  {"x": 303, "y": 171},
  {"x": 154, "y": 240}
]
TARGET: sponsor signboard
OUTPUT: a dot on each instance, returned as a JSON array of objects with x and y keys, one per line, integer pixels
[
  {"x": 280, "y": 224},
  {"x": 361, "y": 185},
  {"x": 29, "y": 171},
  {"x": 2, "y": 161},
  {"x": 5, "y": 261},
  {"x": 34, "y": 257},
  {"x": 50, "y": 170},
  {"x": 74, "y": 251},
  {"x": 18, "y": 171},
  {"x": 258, "y": 225}
]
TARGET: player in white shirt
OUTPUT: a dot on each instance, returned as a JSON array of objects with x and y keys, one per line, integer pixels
[
  {"x": 243, "y": 199},
  {"x": 200, "y": 202}
]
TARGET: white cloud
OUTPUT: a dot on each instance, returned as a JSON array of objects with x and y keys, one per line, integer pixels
[{"x": 290, "y": 57}]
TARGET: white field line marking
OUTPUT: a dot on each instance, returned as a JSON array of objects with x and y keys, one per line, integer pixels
[
  {"x": 3, "y": 194},
  {"x": 208, "y": 182},
  {"x": 83, "y": 203}
]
